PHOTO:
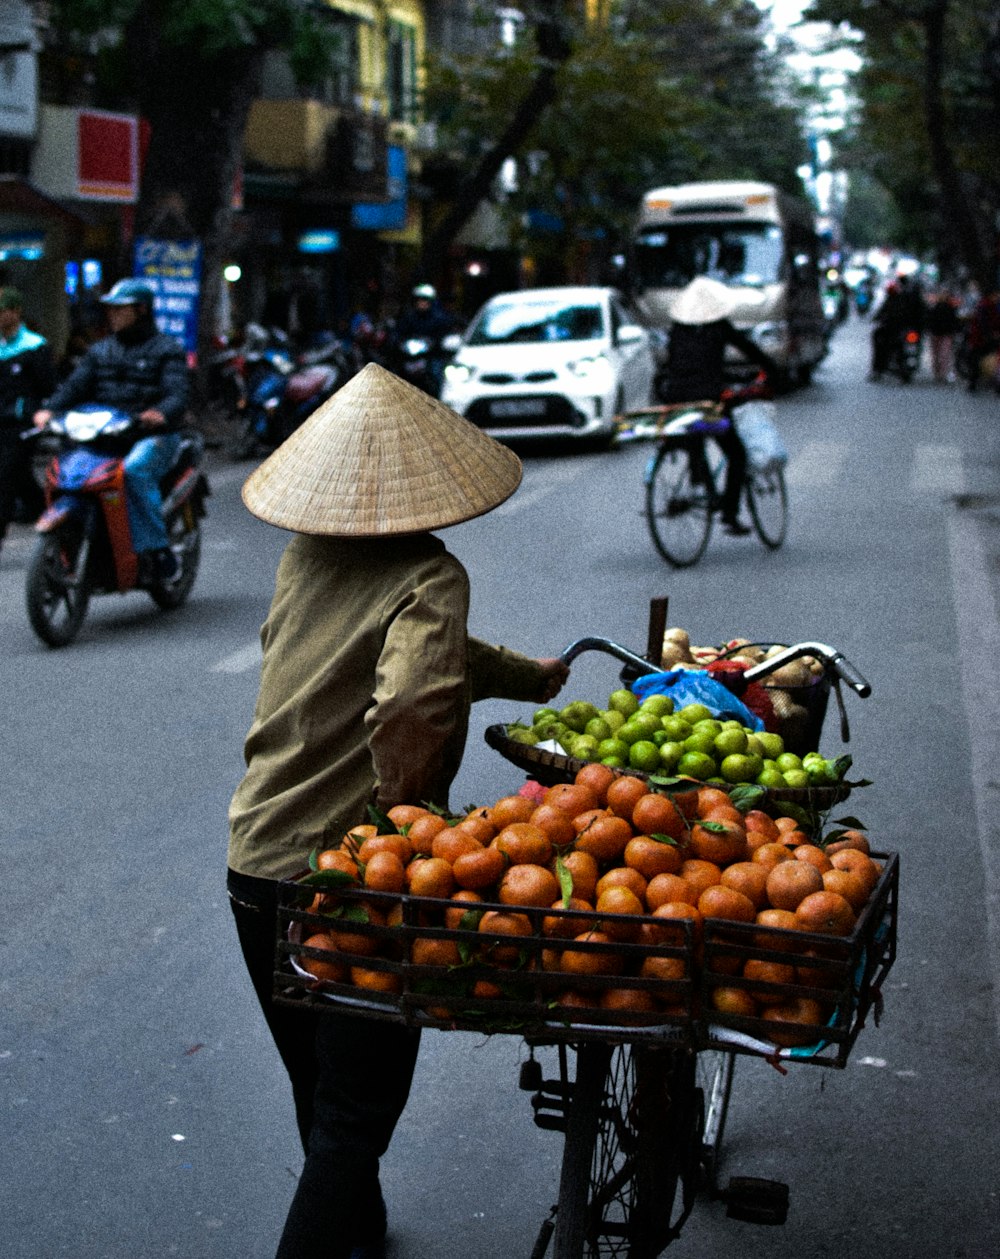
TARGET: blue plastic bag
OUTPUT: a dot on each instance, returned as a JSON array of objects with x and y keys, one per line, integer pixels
[{"x": 694, "y": 686}]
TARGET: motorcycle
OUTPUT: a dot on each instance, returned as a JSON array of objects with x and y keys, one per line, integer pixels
[
  {"x": 85, "y": 544},
  {"x": 283, "y": 388},
  {"x": 421, "y": 360},
  {"x": 904, "y": 361}
]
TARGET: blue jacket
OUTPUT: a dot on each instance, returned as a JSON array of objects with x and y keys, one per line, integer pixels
[
  {"x": 135, "y": 376},
  {"x": 26, "y": 377}
]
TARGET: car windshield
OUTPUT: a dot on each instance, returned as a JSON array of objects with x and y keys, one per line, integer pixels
[
  {"x": 510, "y": 323},
  {"x": 747, "y": 254}
]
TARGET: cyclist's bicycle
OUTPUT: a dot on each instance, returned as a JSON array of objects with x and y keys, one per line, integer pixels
[{"x": 685, "y": 474}]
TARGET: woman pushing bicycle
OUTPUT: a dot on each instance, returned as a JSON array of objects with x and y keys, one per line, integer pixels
[{"x": 695, "y": 372}]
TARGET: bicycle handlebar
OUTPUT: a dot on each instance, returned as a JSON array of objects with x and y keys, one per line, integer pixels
[{"x": 832, "y": 659}]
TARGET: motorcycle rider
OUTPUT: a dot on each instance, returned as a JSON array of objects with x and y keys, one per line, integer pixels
[
  {"x": 425, "y": 319},
  {"x": 901, "y": 310},
  {"x": 143, "y": 371},
  {"x": 27, "y": 376}
]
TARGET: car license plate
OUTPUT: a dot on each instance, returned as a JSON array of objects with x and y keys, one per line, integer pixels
[{"x": 517, "y": 407}]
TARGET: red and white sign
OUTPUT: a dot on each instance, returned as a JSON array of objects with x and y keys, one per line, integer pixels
[{"x": 107, "y": 156}]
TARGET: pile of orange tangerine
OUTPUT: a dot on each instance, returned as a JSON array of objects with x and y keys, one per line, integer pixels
[{"x": 628, "y": 862}]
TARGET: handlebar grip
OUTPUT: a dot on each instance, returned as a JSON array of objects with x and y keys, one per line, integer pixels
[
  {"x": 851, "y": 676},
  {"x": 570, "y": 653}
]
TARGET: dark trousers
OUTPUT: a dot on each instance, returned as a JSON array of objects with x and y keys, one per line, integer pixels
[
  {"x": 350, "y": 1080},
  {"x": 736, "y": 468},
  {"x": 17, "y": 484}
]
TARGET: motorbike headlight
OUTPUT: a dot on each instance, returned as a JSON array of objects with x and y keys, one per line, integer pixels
[
  {"x": 415, "y": 347},
  {"x": 595, "y": 369},
  {"x": 458, "y": 373}
]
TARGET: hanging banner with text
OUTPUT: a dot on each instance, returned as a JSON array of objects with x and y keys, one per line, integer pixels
[{"x": 172, "y": 269}]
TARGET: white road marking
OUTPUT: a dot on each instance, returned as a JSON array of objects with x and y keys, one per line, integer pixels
[
  {"x": 937, "y": 470},
  {"x": 241, "y": 661}
]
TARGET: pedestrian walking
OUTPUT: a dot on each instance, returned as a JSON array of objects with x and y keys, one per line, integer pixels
[
  {"x": 943, "y": 325},
  {"x": 366, "y": 685}
]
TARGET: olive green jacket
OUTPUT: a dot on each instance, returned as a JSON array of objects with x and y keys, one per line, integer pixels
[{"x": 367, "y": 680}]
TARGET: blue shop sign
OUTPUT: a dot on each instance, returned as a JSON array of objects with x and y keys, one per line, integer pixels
[
  {"x": 386, "y": 216},
  {"x": 172, "y": 269}
]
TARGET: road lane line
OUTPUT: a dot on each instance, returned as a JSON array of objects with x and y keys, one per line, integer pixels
[
  {"x": 937, "y": 469},
  {"x": 817, "y": 464},
  {"x": 241, "y": 661},
  {"x": 978, "y": 632}
]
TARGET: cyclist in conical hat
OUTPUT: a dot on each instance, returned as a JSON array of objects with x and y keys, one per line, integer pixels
[
  {"x": 367, "y": 679},
  {"x": 700, "y": 334}
]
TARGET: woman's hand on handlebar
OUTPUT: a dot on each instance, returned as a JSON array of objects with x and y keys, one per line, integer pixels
[{"x": 554, "y": 675}]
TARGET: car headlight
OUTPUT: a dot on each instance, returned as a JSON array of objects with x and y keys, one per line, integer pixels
[
  {"x": 457, "y": 374},
  {"x": 595, "y": 369}
]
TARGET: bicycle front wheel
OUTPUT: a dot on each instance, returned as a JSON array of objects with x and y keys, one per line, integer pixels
[
  {"x": 633, "y": 1132},
  {"x": 678, "y": 507},
  {"x": 767, "y": 499}
]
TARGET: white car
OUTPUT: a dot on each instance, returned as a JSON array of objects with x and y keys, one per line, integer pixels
[{"x": 552, "y": 362}]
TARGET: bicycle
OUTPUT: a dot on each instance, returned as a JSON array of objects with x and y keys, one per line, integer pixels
[
  {"x": 641, "y": 1096},
  {"x": 683, "y": 476}
]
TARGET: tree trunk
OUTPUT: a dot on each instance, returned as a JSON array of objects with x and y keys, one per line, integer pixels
[
  {"x": 197, "y": 112},
  {"x": 555, "y": 48},
  {"x": 959, "y": 212}
]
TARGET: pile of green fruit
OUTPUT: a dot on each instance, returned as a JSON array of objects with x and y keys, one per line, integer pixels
[{"x": 649, "y": 736}]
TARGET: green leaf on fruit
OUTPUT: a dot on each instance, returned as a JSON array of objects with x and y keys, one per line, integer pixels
[
  {"x": 851, "y": 823},
  {"x": 747, "y": 796},
  {"x": 313, "y": 863},
  {"x": 565, "y": 877},
  {"x": 840, "y": 766},
  {"x": 330, "y": 878},
  {"x": 664, "y": 839},
  {"x": 717, "y": 828},
  {"x": 803, "y": 816},
  {"x": 381, "y": 821}
]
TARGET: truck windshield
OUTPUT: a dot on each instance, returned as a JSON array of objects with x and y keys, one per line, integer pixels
[{"x": 670, "y": 257}]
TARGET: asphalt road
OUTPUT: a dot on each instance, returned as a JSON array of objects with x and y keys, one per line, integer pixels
[{"x": 145, "y": 1110}]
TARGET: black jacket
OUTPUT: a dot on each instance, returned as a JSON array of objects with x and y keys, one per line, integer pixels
[
  {"x": 150, "y": 373},
  {"x": 695, "y": 370},
  {"x": 26, "y": 377}
]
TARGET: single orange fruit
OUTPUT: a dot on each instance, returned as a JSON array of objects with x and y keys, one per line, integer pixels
[
  {"x": 786, "y": 823},
  {"x": 452, "y": 841},
  {"x": 598, "y": 961},
  {"x": 656, "y": 814},
  {"x": 480, "y": 823},
  {"x": 572, "y": 798},
  {"x": 384, "y": 872},
  {"x": 605, "y": 838},
  {"x": 725, "y": 902},
  {"x": 373, "y": 980},
  {"x": 761, "y": 822},
  {"x": 330, "y": 968},
  {"x": 748, "y": 877},
  {"x": 659, "y": 924},
  {"x": 337, "y": 859},
  {"x": 790, "y": 882},
  {"x": 499, "y": 926},
  {"x": 628, "y": 1001},
  {"x": 777, "y": 921},
  {"x": 556, "y": 824},
  {"x": 421, "y": 832},
  {"x": 566, "y": 926},
  {"x": 510, "y": 809},
  {"x": 665, "y": 969},
  {"x": 769, "y": 854},
  {"x": 652, "y": 856},
  {"x": 526, "y": 884},
  {"x": 479, "y": 869},
  {"x": 711, "y": 797},
  {"x": 462, "y": 902},
  {"x": 723, "y": 813},
  {"x": 734, "y": 1001},
  {"x": 430, "y": 876},
  {"x": 826, "y": 912},
  {"x": 850, "y": 839},
  {"x": 397, "y": 844},
  {"x": 584, "y": 872},
  {"x": 597, "y": 778},
  {"x": 486, "y": 990},
  {"x": 801, "y": 1010},
  {"x": 357, "y": 835},
  {"x": 401, "y": 815},
  {"x": 617, "y": 902},
  {"x": 858, "y": 862},
  {"x": 814, "y": 855},
  {"x": 700, "y": 873},
  {"x": 767, "y": 972},
  {"x": 722, "y": 842},
  {"x": 434, "y": 951},
  {"x": 624, "y": 876},
  {"x": 849, "y": 884},
  {"x": 524, "y": 843},
  {"x": 669, "y": 887},
  {"x": 624, "y": 794}
]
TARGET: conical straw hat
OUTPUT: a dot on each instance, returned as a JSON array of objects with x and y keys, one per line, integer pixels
[
  {"x": 705, "y": 300},
  {"x": 381, "y": 457}
]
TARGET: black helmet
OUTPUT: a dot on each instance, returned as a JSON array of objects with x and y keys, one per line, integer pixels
[{"x": 129, "y": 293}]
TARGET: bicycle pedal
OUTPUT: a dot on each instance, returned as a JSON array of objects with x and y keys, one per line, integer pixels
[{"x": 755, "y": 1200}]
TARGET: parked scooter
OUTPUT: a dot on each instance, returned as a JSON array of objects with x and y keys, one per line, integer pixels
[
  {"x": 283, "y": 388},
  {"x": 85, "y": 544},
  {"x": 904, "y": 361}
]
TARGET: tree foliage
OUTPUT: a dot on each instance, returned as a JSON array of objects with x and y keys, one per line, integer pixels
[
  {"x": 929, "y": 123},
  {"x": 665, "y": 91}
]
